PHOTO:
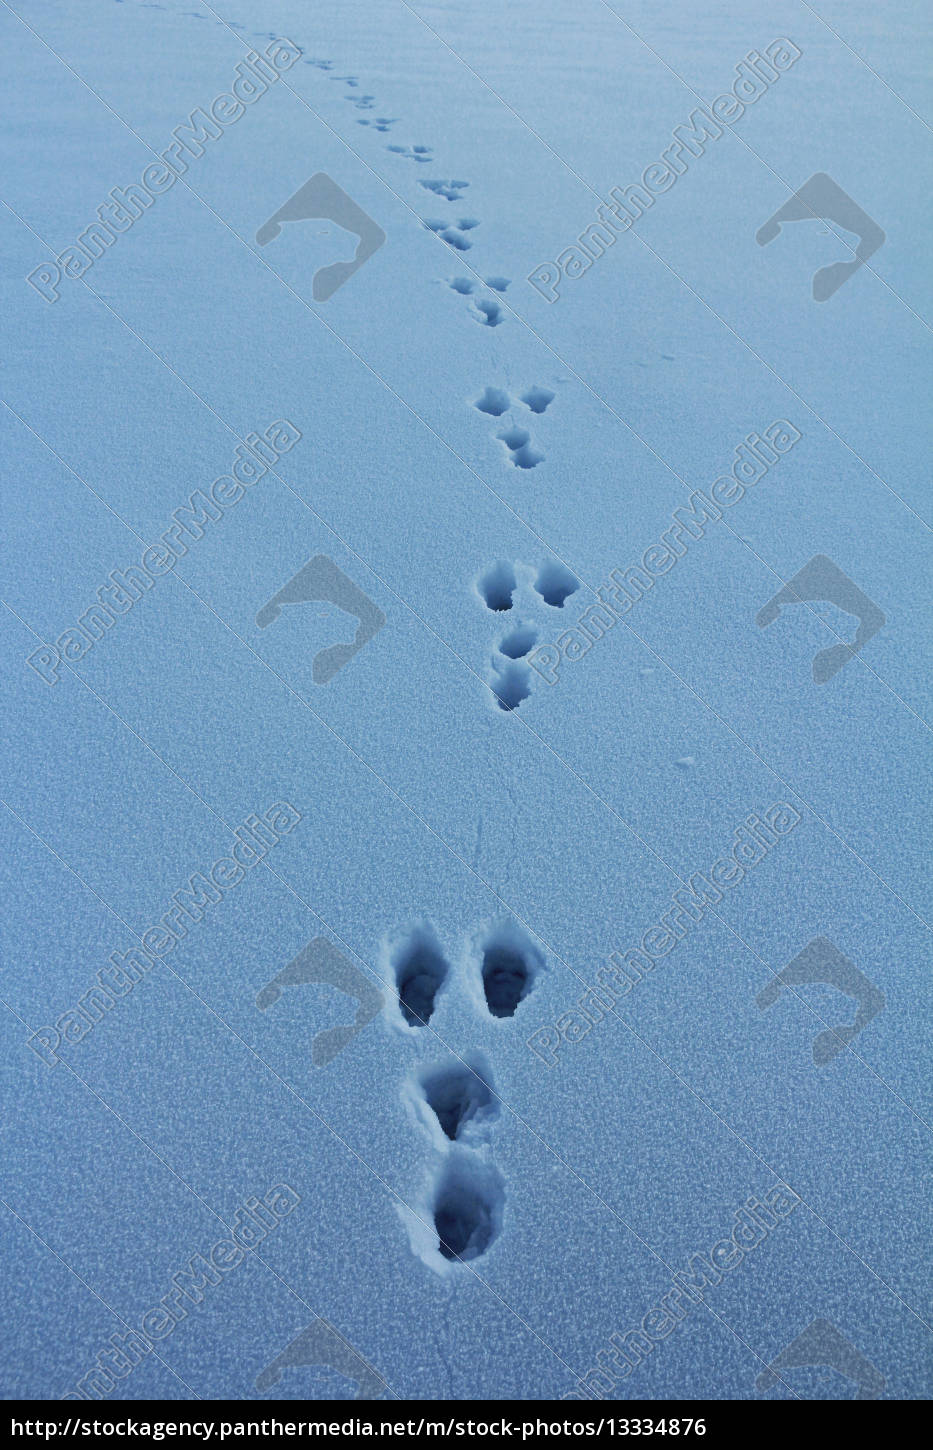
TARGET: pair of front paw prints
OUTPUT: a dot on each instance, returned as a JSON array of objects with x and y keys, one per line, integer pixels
[
  {"x": 539, "y": 591},
  {"x": 457, "y": 1210}
]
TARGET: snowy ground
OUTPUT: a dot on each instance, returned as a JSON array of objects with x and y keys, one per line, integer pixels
[{"x": 476, "y": 460}]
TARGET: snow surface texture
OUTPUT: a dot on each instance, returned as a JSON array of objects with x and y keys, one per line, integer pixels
[{"x": 382, "y": 1014}]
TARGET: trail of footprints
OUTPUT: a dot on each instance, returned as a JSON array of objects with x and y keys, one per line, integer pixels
[
  {"x": 511, "y": 676},
  {"x": 454, "y": 1102},
  {"x": 454, "y": 231}
]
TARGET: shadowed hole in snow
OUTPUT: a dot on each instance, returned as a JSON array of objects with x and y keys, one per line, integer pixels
[
  {"x": 518, "y": 442},
  {"x": 457, "y": 1095},
  {"x": 420, "y": 971},
  {"x": 512, "y": 685},
  {"x": 519, "y": 641},
  {"x": 537, "y": 399},
  {"x": 467, "y": 1209},
  {"x": 492, "y": 313},
  {"x": 555, "y": 583},
  {"x": 495, "y": 402},
  {"x": 510, "y": 965},
  {"x": 498, "y": 585},
  {"x": 455, "y": 239}
]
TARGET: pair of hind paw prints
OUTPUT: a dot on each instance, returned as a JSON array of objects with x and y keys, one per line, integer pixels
[
  {"x": 520, "y": 448},
  {"x": 410, "y": 153},
  {"x": 551, "y": 586},
  {"x": 456, "y": 1213}
]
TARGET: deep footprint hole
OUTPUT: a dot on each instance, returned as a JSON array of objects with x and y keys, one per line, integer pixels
[
  {"x": 464, "y": 285},
  {"x": 509, "y": 968},
  {"x": 455, "y": 239},
  {"x": 491, "y": 312},
  {"x": 420, "y": 972},
  {"x": 457, "y": 1096},
  {"x": 537, "y": 399},
  {"x": 527, "y": 457},
  {"x": 468, "y": 1209},
  {"x": 519, "y": 641},
  {"x": 555, "y": 583},
  {"x": 523, "y": 453},
  {"x": 512, "y": 685},
  {"x": 498, "y": 284},
  {"x": 495, "y": 402},
  {"x": 497, "y": 586}
]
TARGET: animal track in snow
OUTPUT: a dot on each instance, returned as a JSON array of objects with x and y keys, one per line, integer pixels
[
  {"x": 537, "y": 399},
  {"x": 555, "y": 583},
  {"x": 467, "y": 1208},
  {"x": 449, "y": 190},
  {"x": 453, "y": 236},
  {"x": 486, "y": 310},
  {"x": 510, "y": 964},
  {"x": 459, "y": 1096},
  {"x": 420, "y": 972},
  {"x": 511, "y": 678},
  {"x": 518, "y": 442},
  {"x": 521, "y": 450},
  {"x": 489, "y": 311},
  {"x": 519, "y": 641},
  {"x": 495, "y": 402},
  {"x": 498, "y": 586},
  {"x": 458, "y": 1212},
  {"x": 410, "y": 153},
  {"x": 511, "y": 683}
]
